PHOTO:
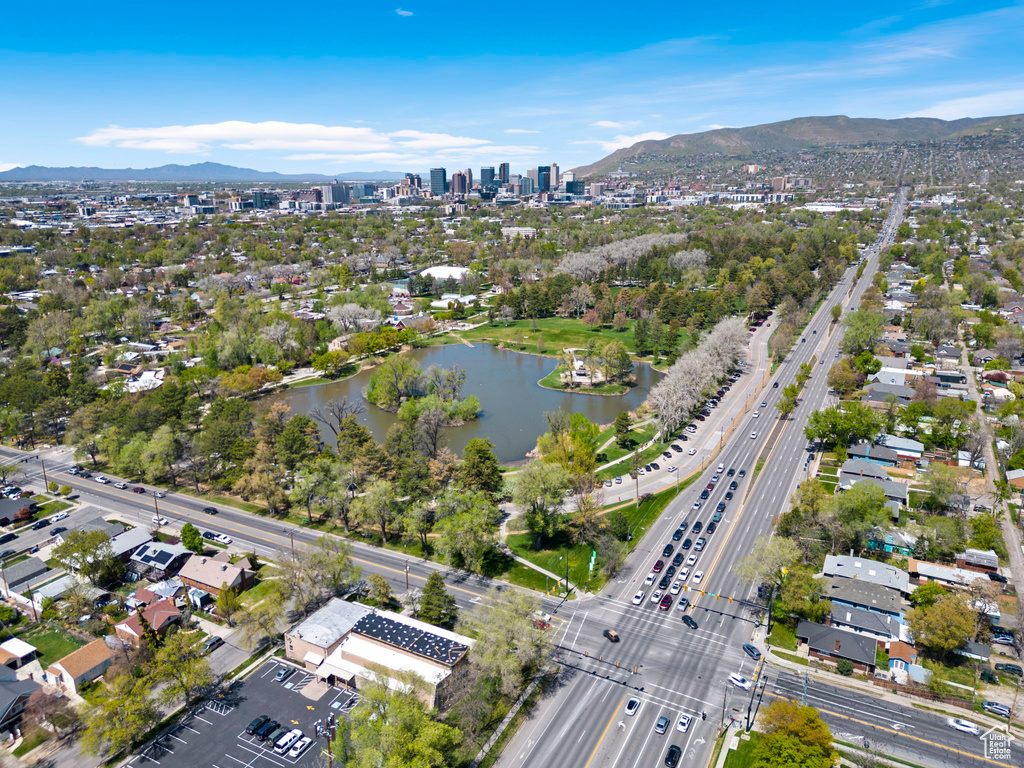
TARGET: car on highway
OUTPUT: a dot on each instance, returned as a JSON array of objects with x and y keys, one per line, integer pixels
[
  {"x": 138, "y": 489},
  {"x": 691, "y": 560},
  {"x": 764, "y": 403},
  {"x": 696, "y": 505},
  {"x": 728, "y": 496},
  {"x": 692, "y": 451},
  {"x": 672, "y": 468},
  {"x": 632, "y": 706},
  {"x": 751, "y": 651},
  {"x": 59, "y": 516},
  {"x": 683, "y": 724},
  {"x": 697, "y": 527},
  {"x": 775, "y": 385},
  {"x": 715, "y": 478},
  {"x": 160, "y": 494},
  {"x": 157, "y": 520},
  {"x": 742, "y": 473},
  {"x": 678, "y": 559},
  {"x": 656, "y": 596},
  {"x": 753, "y": 435},
  {"x": 699, "y": 544},
  {"x": 672, "y": 756},
  {"x": 667, "y": 551},
  {"x": 733, "y": 485},
  {"x": 995, "y": 708},
  {"x": 677, "y": 585},
  {"x": 683, "y": 604},
  {"x": 698, "y": 577},
  {"x": 639, "y": 597},
  {"x": 650, "y": 579},
  {"x": 58, "y": 529},
  {"x": 222, "y": 538},
  {"x": 689, "y": 621},
  {"x": 666, "y": 579},
  {"x": 712, "y": 527},
  {"x": 687, "y": 543},
  {"x": 678, "y": 534},
  {"x": 658, "y": 565},
  {"x": 102, "y": 480},
  {"x": 964, "y": 726},
  {"x": 731, "y": 472},
  {"x": 661, "y": 725},
  {"x": 755, "y": 414},
  {"x": 740, "y": 681},
  {"x": 121, "y": 485},
  {"x": 720, "y": 508},
  {"x": 209, "y": 510},
  {"x": 666, "y": 603}
]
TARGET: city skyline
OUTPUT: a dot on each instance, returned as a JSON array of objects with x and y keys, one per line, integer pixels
[{"x": 135, "y": 89}]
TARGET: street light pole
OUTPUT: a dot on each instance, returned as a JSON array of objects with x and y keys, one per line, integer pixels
[{"x": 46, "y": 482}]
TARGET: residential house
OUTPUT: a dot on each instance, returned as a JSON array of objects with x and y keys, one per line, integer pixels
[
  {"x": 11, "y": 508},
  {"x": 15, "y": 653},
  {"x": 974, "y": 651},
  {"x": 946, "y": 379},
  {"x": 947, "y": 352},
  {"x": 14, "y": 694},
  {"x": 905, "y": 448},
  {"x": 985, "y": 561},
  {"x": 211, "y": 573},
  {"x": 893, "y": 541},
  {"x": 903, "y": 663},
  {"x": 947, "y": 576},
  {"x": 853, "y": 593},
  {"x": 878, "y": 454},
  {"x": 82, "y": 666},
  {"x": 159, "y": 558},
  {"x": 963, "y": 459},
  {"x": 877, "y": 626},
  {"x": 831, "y": 644},
  {"x": 870, "y": 571},
  {"x": 28, "y": 572},
  {"x": 898, "y": 348},
  {"x": 124, "y": 544},
  {"x": 160, "y": 615},
  {"x": 896, "y": 492},
  {"x": 1015, "y": 477},
  {"x": 862, "y": 468},
  {"x": 982, "y": 357}
]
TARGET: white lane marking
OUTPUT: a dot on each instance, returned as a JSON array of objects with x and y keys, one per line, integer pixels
[{"x": 640, "y": 753}]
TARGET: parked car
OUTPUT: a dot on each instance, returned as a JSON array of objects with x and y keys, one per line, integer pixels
[
  {"x": 157, "y": 520},
  {"x": 222, "y": 538},
  {"x": 995, "y": 708},
  {"x": 283, "y": 674},
  {"x": 266, "y": 729},
  {"x": 252, "y": 727},
  {"x": 1010, "y": 669},
  {"x": 285, "y": 742},
  {"x": 209, "y": 535},
  {"x": 1002, "y": 639},
  {"x": 300, "y": 746}
]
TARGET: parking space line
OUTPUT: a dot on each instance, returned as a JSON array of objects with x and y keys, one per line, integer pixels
[
  {"x": 264, "y": 756},
  {"x": 191, "y": 729},
  {"x": 208, "y": 722}
]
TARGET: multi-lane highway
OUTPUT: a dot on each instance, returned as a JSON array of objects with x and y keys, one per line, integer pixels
[{"x": 675, "y": 670}]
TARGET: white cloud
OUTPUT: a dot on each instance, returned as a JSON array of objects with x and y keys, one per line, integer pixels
[
  {"x": 306, "y": 141},
  {"x": 519, "y": 130},
  {"x": 998, "y": 103},
  {"x": 717, "y": 127},
  {"x": 607, "y": 124},
  {"x": 8, "y": 166},
  {"x": 622, "y": 141},
  {"x": 401, "y": 12}
]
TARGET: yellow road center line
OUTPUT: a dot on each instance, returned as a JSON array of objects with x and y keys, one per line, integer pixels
[{"x": 605, "y": 731}]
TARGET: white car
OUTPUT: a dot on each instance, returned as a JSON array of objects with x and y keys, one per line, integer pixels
[
  {"x": 755, "y": 414},
  {"x": 753, "y": 435},
  {"x": 691, "y": 560},
  {"x": 102, "y": 480},
  {"x": 684, "y": 574},
  {"x": 740, "y": 682},
  {"x": 698, "y": 577},
  {"x": 672, "y": 468},
  {"x": 676, "y": 586},
  {"x": 121, "y": 484},
  {"x": 59, "y": 516},
  {"x": 618, "y": 481},
  {"x": 656, "y": 596},
  {"x": 683, "y": 725},
  {"x": 222, "y": 538},
  {"x": 721, "y": 469},
  {"x": 641, "y": 471},
  {"x": 696, "y": 505},
  {"x": 160, "y": 520},
  {"x": 638, "y": 597},
  {"x": 300, "y": 746},
  {"x": 692, "y": 451},
  {"x": 965, "y": 726},
  {"x": 650, "y": 579},
  {"x": 632, "y": 706}
]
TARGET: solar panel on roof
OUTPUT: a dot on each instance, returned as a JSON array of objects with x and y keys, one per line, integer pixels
[
  {"x": 411, "y": 639},
  {"x": 162, "y": 557}
]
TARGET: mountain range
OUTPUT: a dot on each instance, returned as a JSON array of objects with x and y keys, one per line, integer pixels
[
  {"x": 198, "y": 172},
  {"x": 802, "y": 133}
]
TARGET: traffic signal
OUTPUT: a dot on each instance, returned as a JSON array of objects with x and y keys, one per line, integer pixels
[{"x": 703, "y": 715}]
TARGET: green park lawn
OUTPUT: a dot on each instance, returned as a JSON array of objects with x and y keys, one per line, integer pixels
[
  {"x": 555, "y": 333},
  {"x": 554, "y": 381},
  {"x": 614, "y": 452}
]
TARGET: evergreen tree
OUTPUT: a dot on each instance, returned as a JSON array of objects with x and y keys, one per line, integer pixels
[
  {"x": 437, "y": 607},
  {"x": 191, "y": 538},
  {"x": 480, "y": 468},
  {"x": 149, "y": 634}
]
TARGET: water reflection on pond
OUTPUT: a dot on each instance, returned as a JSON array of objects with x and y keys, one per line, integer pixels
[{"x": 506, "y": 383}]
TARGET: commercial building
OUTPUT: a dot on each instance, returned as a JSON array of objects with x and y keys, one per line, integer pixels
[
  {"x": 342, "y": 641},
  {"x": 543, "y": 178},
  {"x": 438, "y": 181},
  {"x": 458, "y": 184},
  {"x": 503, "y": 173},
  {"x": 335, "y": 194},
  {"x": 486, "y": 177}
]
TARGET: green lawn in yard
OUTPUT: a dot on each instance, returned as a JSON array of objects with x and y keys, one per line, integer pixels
[
  {"x": 556, "y": 334},
  {"x": 830, "y": 487},
  {"x": 783, "y": 636},
  {"x": 742, "y": 756},
  {"x": 252, "y": 596},
  {"x": 33, "y": 739},
  {"x": 791, "y": 657},
  {"x": 52, "y": 508},
  {"x": 51, "y": 643}
]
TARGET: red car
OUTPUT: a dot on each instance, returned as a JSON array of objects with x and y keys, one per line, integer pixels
[
  {"x": 666, "y": 602},
  {"x": 138, "y": 489},
  {"x": 658, "y": 566}
]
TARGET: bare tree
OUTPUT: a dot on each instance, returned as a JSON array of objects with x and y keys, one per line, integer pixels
[
  {"x": 430, "y": 432},
  {"x": 334, "y": 412}
]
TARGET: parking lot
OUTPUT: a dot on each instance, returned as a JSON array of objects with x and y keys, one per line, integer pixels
[{"x": 213, "y": 734}]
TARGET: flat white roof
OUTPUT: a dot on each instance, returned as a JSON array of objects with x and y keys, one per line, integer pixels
[
  {"x": 390, "y": 659},
  {"x": 18, "y": 647}
]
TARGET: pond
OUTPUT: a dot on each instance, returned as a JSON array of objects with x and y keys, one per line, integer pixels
[{"x": 506, "y": 384}]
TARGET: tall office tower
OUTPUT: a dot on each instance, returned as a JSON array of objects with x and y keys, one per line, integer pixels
[
  {"x": 543, "y": 178},
  {"x": 486, "y": 176},
  {"x": 469, "y": 179},
  {"x": 334, "y": 194},
  {"x": 514, "y": 179},
  {"x": 458, "y": 183},
  {"x": 526, "y": 186},
  {"x": 414, "y": 180},
  {"x": 574, "y": 187},
  {"x": 438, "y": 181},
  {"x": 531, "y": 174},
  {"x": 555, "y": 180},
  {"x": 261, "y": 198},
  {"x": 363, "y": 189},
  {"x": 503, "y": 174},
  {"x": 567, "y": 176}
]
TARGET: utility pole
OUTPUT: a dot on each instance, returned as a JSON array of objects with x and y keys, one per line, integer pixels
[
  {"x": 328, "y": 728},
  {"x": 46, "y": 483},
  {"x": 807, "y": 680},
  {"x": 725, "y": 693},
  {"x": 406, "y": 575}
]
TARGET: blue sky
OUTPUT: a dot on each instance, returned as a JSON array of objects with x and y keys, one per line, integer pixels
[{"x": 335, "y": 87}]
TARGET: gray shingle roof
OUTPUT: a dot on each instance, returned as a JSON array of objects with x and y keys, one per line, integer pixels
[
  {"x": 837, "y": 642},
  {"x": 863, "y": 594},
  {"x": 331, "y": 623},
  {"x": 870, "y": 571}
]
